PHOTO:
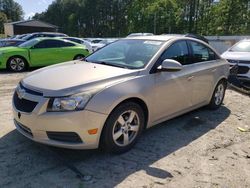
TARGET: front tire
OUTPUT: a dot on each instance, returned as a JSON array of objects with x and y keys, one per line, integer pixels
[
  {"x": 17, "y": 64},
  {"x": 218, "y": 95},
  {"x": 123, "y": 128}
]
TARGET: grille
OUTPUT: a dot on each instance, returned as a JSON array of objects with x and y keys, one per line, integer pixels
[
  {"x": 243, "y": 69},
  {"x": 24, "y": 128},
  {"x": 64, "y": 137},
  {"x": 244, "y": 62},
  {"x": 238, "y": 61},
  {"x": 32, "y": 92},
  {"x": 23, "y": 105}
]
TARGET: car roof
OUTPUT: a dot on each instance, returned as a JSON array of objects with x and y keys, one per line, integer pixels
[
  {"x": 157, "y": 37},
  {"x": 165, "y": 37},
  {"x": 54, "y": 33}
]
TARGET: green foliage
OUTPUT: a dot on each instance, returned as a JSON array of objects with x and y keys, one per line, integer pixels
[
  {"x": 120, "y": 17},
  {"x": 9, "y": 11},
  {"x": 3, "y": 19}
]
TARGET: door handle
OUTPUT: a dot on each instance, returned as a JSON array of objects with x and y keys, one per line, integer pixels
[{"x": 190, "y": 78}]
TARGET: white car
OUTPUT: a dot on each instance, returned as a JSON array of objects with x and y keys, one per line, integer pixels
[
  {"x": 239, "y": 54},
  {"x": 80, "y": 41}
]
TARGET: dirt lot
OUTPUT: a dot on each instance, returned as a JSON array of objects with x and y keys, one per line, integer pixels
[{"x": 200, "y": 149}]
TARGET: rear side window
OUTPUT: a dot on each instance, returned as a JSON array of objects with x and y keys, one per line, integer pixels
[
  {"x": 53, "y": 44},
  {"x": 74, "y": 40},
  {"x": 65, "y": 44},
  {"x": 177, "y": 51},
  {"x": 201, "y": 52}
]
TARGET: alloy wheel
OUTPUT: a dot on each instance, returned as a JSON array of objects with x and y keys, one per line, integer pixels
[
  {"x": 219, "y": 94},
  {"x": 17, "y": 64},
  {"x": 126, "y": 128}
]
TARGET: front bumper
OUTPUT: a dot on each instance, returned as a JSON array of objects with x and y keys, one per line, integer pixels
[
  {"x": 37, "y": 124},
  {"x": 243, "y": 70}
]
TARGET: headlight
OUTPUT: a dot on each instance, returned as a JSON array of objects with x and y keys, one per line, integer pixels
[{"x": 71, "y": 103}]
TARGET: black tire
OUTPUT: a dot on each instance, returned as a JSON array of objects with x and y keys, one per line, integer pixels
[
  {"x": 217, "y": 99},
  {"x": 108, "y": 142},
  {"x": 78, "y": 57},
  {"x": 17, "y": 64}
]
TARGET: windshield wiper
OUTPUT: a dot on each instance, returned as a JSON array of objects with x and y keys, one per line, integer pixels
[{"x": 110, "y": 64}]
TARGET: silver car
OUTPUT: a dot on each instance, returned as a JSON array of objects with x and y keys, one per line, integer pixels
[
  {"x": 110, "y": 97},
  {"x": 239, "y": 55}
]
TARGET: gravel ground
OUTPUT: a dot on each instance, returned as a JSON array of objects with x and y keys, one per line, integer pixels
[{"x": 200, "y": 149}]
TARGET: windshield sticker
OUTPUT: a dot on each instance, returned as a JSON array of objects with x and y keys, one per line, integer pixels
[{"x": 153, "y": 42}]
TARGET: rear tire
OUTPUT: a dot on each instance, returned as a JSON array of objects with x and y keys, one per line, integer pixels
[
  {"x": 17, "y": 64},
  {"x": 122, "y": 128},
  {"x": 218, "y": 95}
]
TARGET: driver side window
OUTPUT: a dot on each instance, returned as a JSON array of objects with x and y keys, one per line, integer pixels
[{"x": 177, "y": 51}]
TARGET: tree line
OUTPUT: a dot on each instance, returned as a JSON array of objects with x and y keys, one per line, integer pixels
[
  {"x": 117, "y": 18},
  {"x": 10, "y": 11},
  {"x": 120, "y": 17}
]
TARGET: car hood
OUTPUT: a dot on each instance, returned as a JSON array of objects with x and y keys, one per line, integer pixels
[
  {"x": 75, "y": 77},
  {"x": 241, "y": 56}
]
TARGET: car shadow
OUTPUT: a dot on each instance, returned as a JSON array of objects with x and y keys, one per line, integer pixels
[{"x": 25, "y": 163}]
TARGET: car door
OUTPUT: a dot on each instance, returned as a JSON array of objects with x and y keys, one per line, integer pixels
[
  {"x": 67, "y": 50},
  {"x": 204, "y": 67},
  {"x": 46, "y": 52},
  {"x": 173, "y": 90}
]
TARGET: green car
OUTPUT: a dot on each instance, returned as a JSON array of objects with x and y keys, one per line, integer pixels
[{"x": 40, "y": 52}]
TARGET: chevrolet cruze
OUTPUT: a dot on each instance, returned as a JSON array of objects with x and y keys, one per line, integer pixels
[{"x": 107, "y": 99}]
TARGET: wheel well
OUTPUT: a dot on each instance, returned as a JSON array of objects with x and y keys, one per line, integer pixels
[
  {"x": 142, "y": 104},
  {"x": 79, "y": 55},
  {"x": 223, "y": 80}
]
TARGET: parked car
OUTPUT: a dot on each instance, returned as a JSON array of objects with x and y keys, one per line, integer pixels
[
  {"x": 80, "y": 41},
  {"x": 102, "y": 43},
  {"x": 139, "y": 34},
  {"x": 239, "y": 55},
  {"x": 110, "y": 97},
  {"x": 43, "y": 34},
  {"x": 95, "y": 43},
  {"x": 10, "y": 42},
  {"x": 40, "y": 52},
  {"x": 20, "y": 36}
]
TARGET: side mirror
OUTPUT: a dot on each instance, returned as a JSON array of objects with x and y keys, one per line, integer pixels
[{"x": 169, "y": 65}]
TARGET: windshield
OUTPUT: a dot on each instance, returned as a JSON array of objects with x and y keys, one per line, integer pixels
[
  {"x": 29, "y": 43},
  {"x": 132, "y": 54},
  {"x": 27, "y": 37},
  {"x": 243, "y": 46}
]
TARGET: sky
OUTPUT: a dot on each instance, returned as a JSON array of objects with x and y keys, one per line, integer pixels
[{"x": 30, "y": 7}]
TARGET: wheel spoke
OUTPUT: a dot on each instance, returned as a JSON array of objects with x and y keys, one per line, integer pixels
[
  {"x": 131, "y": 116},
  {"x": 125, "y": 139},
  {"x": 121, "y": 120},
  {"x": 134, "y": 128},
  {"x": 117, "y": 134}
]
